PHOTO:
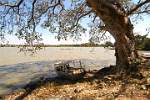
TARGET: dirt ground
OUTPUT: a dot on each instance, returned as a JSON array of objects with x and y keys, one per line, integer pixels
[{"x": 96, "y": 85}]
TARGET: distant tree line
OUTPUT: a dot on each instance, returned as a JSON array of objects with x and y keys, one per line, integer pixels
[
  {"x": 142, "y": 42},
  {"x": 108, "y": 44},
  {"x": 49, "y": 45},
  {"x": 89, "y": 44}
]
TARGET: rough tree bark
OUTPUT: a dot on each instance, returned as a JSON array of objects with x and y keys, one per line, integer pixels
[{"x": 120, "y": 27}]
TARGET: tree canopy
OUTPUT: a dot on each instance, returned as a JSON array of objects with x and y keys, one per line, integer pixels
[{"x": 64, "y": 17}]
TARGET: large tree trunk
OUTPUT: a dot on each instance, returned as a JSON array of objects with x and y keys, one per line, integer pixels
[{"x": 118, "y": 24}]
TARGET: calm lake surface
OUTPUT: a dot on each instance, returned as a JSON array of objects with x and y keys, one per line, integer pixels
[
  {"x": 11, "y": 55},
  {"x": 18, "y": 69}
]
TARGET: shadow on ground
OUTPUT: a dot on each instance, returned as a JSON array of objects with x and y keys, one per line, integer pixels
[{"x": 105, "y": 75}]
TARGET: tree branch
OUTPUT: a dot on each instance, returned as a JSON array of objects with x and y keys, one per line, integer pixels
[
  {"x": 52, "y": 7},
  {"x": 138, "y": 6},
  {"x": 12, "y": 5},
  {"x": 32, "y": 14},
  {"x": 85, "y": 14}
]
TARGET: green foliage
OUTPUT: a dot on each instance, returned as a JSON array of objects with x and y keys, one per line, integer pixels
[
  {"x": 108, "y": 44},
  {"x": 146, "y": 44},
  {"x": 142, "y": 42}
]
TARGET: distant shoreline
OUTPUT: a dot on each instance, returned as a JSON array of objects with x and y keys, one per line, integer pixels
[{"x": 77, "y": 45}]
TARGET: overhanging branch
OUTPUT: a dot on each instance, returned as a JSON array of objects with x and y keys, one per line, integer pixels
[
  {"x": 12, "y": 5},
  {"x": 138, "y": 6}
]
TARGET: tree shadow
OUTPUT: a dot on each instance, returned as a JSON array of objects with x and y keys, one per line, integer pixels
[
  {"x": 96, "y": 74},
  {"x": 99, "y": 74}
]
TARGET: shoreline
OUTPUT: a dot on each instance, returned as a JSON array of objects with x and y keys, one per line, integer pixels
[{"x": 100, "y": 84}]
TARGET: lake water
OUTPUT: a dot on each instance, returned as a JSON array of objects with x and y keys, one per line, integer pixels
[
  {"x": 10, "y": 55},
  {"x": 18, "y": 69}
]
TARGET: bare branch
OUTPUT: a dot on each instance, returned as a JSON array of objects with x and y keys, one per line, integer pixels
[
  {"x": 12, "y": 5},
  {"x": 83, "y": 15},
  {"x": 94, "y": 18},
  {"x": 138, "y": 6},
  {"x": 53, "y": 7},
  {"x": 32, "y": 14}
]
